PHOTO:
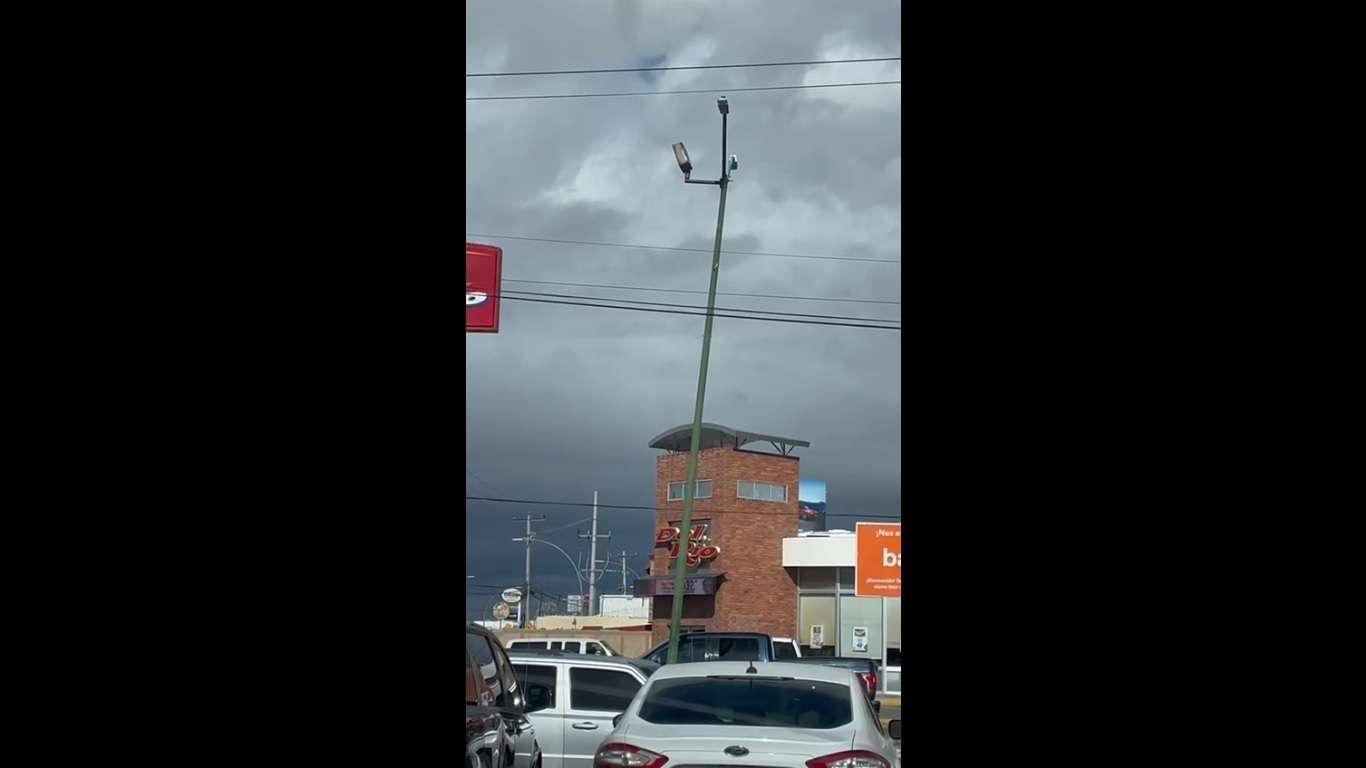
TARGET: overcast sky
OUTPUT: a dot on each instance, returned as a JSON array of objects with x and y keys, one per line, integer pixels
[{"x": 565, "y": 399}]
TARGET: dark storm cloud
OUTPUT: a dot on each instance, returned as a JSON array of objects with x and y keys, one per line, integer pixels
[{"x": 564, "y": 400}]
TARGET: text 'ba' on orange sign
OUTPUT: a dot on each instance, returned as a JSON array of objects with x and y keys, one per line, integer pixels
[
  {"x": 877, "y": 560},
  {"x": 483, "y": 281}
]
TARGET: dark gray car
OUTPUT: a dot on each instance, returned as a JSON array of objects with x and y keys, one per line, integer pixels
[{"x": 716, "y": 646}]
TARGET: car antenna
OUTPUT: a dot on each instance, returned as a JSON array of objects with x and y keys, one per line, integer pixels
[{"x": 752, "y": 670}]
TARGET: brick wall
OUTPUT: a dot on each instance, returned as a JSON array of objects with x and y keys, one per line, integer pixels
[{"x": 757, "y": 593}]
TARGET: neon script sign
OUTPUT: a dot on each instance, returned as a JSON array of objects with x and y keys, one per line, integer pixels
[{"x": 699, "y": 544}]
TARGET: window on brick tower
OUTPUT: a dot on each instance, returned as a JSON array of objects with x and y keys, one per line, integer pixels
[
  {"x": 755, "y": 491},
  {"x": 701, "y": 490}
]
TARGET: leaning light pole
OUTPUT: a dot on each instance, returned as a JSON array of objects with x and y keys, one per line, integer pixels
[{"x": 681, "y": 562}]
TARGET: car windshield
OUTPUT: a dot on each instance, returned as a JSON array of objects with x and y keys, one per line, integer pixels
[
  {"x": 609, "y": 647},
  {"x": 747, "y": 701}
]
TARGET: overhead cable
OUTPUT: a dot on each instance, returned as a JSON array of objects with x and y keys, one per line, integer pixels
[
  {"x": 681, "y": 68},
  {"x": 718, "y": 293},
  {"x": 677, "y": 248},
  {"x": 506, "y": 291},
  {"x": 652, "y": 509},
  {"x": 667, "y": 93},
  {"x": 700, "y": 314}
]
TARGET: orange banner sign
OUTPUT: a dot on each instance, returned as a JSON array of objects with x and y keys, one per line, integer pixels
[{"x": 877, "y": 560}]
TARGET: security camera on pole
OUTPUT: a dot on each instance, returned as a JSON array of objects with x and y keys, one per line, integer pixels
[{"x": 681, "y": 564}]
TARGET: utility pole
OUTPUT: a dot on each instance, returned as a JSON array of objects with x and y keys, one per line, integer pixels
[
  {"x": 593, "y": 558},
  {"x": 681, "y": 563},
  {"x": 623, "y": 569},
  {"x": 526, "y": 596}
]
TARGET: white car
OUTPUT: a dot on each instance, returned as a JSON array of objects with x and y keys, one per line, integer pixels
[
  {"x": 588, "y": 647},
  {"x": 736, "y": 713},
  {"x": 571, "y": 700}
]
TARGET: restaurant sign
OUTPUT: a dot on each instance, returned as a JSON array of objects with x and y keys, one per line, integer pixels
[
  {"x": 692, "y": 585},
  {"x": 483, "y": 283},
  {"x": 699, "y": 544}
]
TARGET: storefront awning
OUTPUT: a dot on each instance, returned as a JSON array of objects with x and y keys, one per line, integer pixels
[{"x": 700, "y": 584}]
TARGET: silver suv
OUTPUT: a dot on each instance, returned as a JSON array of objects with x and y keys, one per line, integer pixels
[{"x": 572, "y": 699}]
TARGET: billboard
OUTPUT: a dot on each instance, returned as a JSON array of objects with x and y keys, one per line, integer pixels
[
  {"x": 483, "y": 281},
  {"x": 810, "y": 505},
  {"x": 877, "y": 560}
]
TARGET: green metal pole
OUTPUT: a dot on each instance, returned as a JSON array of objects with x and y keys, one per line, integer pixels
[{"x": 681, "y": 564}]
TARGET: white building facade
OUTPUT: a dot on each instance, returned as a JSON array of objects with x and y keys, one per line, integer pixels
[{"x": 831, "y": 619}]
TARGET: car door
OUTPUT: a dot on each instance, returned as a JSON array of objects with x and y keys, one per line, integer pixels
[
  {"x": 596, "y": 695},
  {"x": 543, "y": 690},
  {"x": 501, "y": 734}
]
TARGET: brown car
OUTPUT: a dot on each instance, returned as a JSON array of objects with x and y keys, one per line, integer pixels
[{"x": 498, "y": 733}]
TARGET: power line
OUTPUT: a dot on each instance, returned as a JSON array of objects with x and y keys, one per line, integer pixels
[
  {"x": 690, "y": 250},
  {"x": 653, "y": 509},
  {"x": 701, "y": 314},
  {"x": 718, "y": 293},
  {"x": 696, "y": 306},
  {"x": 482, "y": 481},
  {"x": 678, "y": 69},
  {"x": 561, "y": 528},
  {"x": 665, "y": 93}
]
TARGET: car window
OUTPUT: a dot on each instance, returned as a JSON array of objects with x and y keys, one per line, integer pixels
[
  {"x": 738, "y": 649},
  {"x": 537, "y": 682},
  {"x": 511, "y": 696},
  {"x": 603, "y": 690},
  {"x": 473, "y": 690},
  {"x": 530, "y": 644},
  {"x": 484, "y": 662},
  {"x": 691, "y": 648},
  {"x": 783, "y": 651},
  {"x": 748, "y": 702},
  {"x": 595, "y": 649}
]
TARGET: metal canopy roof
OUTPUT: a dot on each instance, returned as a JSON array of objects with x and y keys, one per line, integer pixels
[{"x": 679, "y": 439}]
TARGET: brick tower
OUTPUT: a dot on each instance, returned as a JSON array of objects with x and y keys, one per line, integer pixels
[{"x": 746, "y": 503}]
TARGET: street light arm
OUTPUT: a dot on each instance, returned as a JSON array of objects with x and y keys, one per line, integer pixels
[{"x": 567, "y": 557}]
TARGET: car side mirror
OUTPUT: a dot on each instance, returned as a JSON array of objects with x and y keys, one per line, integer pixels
[
  {"x": 617, "y": 720},
  {"x": 894, "y": 729}
]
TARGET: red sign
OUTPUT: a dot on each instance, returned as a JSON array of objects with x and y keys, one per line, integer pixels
[
  {"x": 699, "y": 544},
  {"x": 483, "y": 281}
]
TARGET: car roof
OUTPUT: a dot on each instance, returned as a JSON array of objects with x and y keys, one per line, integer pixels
[
  {"x": 485, "y": 631},
  {"x": 722, "y": 634},
  {"x": 580, "y": 658},
  {"x": 771, "y": 668},
  {"x": 552, "y": 639}
]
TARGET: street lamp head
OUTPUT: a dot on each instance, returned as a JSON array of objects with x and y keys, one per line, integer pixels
[
  {"x": 723, "y": 105},
  {"x": 681, "y": 155}
]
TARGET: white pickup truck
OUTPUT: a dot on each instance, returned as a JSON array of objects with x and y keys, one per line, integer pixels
[
  {"x": 588, "y": 646},
  {"x": 785, "y": 648}
]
